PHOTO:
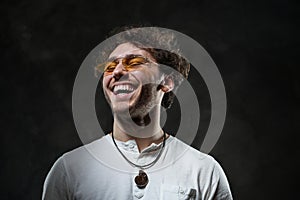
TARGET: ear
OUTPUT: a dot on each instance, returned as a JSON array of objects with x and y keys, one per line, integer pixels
[{"x": 167, "y": 85}]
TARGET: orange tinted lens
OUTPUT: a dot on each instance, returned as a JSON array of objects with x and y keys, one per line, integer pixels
[
  {"x": 131, "y": 62},
  {"x": 110, "y": 66}
]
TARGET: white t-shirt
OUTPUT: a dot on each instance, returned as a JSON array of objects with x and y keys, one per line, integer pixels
[{"x": 97, "y": 171}]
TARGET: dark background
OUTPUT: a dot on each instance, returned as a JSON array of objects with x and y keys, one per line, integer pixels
[{"x": 255, "y": 44}]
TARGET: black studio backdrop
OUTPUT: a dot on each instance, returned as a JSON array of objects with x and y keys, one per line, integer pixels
[{"x": 255, "y": 45}]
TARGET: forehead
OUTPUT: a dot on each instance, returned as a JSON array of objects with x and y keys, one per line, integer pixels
[{"x": 126, "y": 49}]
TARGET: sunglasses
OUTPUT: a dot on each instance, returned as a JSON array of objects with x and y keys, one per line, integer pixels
[{"x": 130, "y": 62}]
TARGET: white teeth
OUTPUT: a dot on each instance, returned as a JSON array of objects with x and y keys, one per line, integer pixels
[{"x": 125, "y": 88}]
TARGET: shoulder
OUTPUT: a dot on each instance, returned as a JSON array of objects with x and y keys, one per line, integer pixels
[
  {"x": 194, "y": 160},
  {"x": 85, "y": 148},
  {"x": 190, "y": 154},
  {"x": 83, "y": 154}
]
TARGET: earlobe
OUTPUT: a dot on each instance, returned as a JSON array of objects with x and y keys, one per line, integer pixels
[
  {"x": 165, "y": 89},
  {"x": 167, "y": 84}
]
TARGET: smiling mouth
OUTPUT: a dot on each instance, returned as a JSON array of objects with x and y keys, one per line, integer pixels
[{"x": 123, "y": 89}]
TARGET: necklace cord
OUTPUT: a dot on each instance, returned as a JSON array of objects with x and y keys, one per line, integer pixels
[{"x": 146, "y": 166}]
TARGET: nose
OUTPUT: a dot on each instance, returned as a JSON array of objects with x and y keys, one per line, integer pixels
[{"x": 119, "y": 71}]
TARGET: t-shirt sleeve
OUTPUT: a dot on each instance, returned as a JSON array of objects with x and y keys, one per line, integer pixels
[
  {"x": 56, "y": 183},
  {"x": 220, "y": 184}
]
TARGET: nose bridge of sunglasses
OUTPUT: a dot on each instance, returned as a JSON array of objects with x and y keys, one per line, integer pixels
[{"x": 117, "y": 65}]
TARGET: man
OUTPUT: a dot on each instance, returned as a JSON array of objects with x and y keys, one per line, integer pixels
[{"x": 138, "y": 159}]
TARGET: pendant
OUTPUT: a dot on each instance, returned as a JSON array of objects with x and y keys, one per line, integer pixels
[{"x": 141, "y": 180}]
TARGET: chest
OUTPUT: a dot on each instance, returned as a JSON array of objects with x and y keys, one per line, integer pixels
[{"x": 107, "y": 183}]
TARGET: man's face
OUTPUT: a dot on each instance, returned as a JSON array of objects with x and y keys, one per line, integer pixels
[{"x": 132, "y": 89}]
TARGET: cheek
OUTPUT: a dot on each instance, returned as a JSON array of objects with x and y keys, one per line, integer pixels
[
  {"x": 146, "y": 77},
  {"x": 105, "y": 81}
]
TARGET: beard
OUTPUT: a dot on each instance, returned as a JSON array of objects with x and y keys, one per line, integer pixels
[{"x": 146, "y": 102}]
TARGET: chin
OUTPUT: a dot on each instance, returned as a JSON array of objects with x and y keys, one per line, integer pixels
[{"x": 123, "y": 108}]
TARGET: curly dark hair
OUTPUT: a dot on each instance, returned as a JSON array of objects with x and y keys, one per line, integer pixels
[{"x": 162, "y": 46}]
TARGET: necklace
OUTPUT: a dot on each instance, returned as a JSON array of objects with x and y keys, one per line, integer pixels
[{"x": 141, "y": 180}]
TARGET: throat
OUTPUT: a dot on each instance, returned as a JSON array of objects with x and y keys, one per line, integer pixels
[{"x": 142, "y": 121}]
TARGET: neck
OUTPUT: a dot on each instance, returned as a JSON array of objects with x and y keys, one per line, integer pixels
[{"x": 136, "y": 129}]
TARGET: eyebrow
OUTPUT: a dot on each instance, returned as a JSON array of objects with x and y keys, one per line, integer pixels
[{"x": 127, "y": 56}]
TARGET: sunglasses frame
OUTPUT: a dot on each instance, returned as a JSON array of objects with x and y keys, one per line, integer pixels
[{"x": 125, "y": 62}]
